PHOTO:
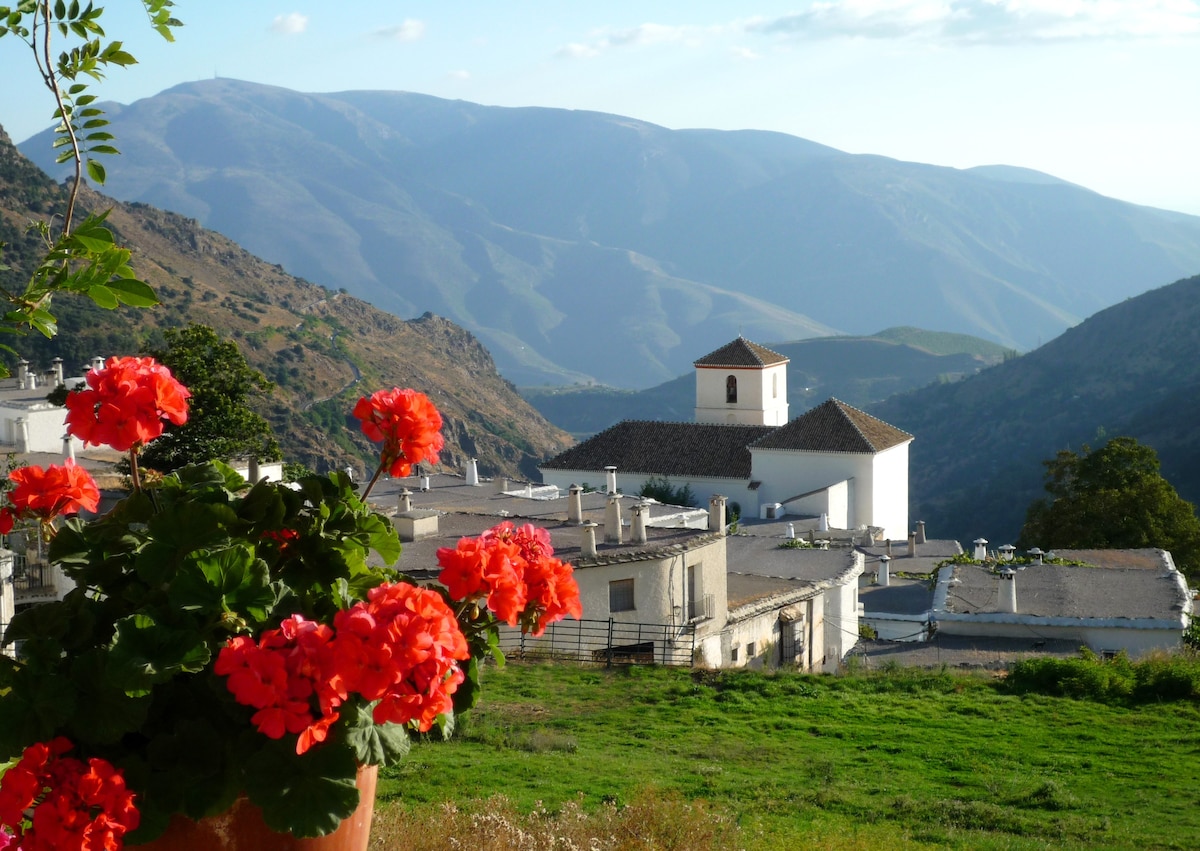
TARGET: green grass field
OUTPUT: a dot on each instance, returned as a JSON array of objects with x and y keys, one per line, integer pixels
[{"x": 899, "y": 759}]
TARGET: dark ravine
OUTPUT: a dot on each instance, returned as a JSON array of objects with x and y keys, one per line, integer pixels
[
  {"x": 578, "y": 245},
  {"x": 315, "y": 343}
]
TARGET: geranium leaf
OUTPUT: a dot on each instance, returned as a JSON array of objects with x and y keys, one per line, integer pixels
[
  {"x": 231, "y": 580},
  {"x": 374, "y": 744},
  {"x": 111, "y": 711},
  {"x": 146, "y": 652},
  {"x": 33, "y": 710},
  {"x": 306, "y": 796}
]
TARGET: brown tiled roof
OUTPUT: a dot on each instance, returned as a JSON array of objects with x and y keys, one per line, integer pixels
[
  {"x": 673, "y": 449},
  {"x": 834, "y": 426},
  {"x": 741, "y": 352}
]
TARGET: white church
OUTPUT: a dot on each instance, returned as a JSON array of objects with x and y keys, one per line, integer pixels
[{"x": 833, "y": 460}]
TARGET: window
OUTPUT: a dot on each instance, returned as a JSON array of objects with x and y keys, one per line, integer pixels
[
  {"x": 620, "y": 595},
  {"x": 750, "y": 650},
  {"x": 733, "y": 654},
  {"x": 774, "y": 386},
  {"x": 731, "y": 389}
]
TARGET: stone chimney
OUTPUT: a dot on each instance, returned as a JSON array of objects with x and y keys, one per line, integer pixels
[
  {"x": 252, "y": 471},
  {"x": 884, "y": 576},
  {"x": 610, "y": 477},
  {"x": 920, "y": 531},
  {"x": 980, "y": 548},
  {"x": 887, "y": 547},
  {"x": 404, "y": 503},
  {"x": 1008, "y": 591},
  {"x": 22, "y": 373},
  {"x": 68, "y": 448},
  {"x": 58, "y": 371},
  {"x": 473, "y": 472},
  {"x": 912, "y": 544},
  {"x": 501, "y": 484},
  {"x": 575, "y": 505},
  {"x": 716, "y": 513},
  {"x": 612, "y": 519},
  {"x": 637, "y": 526},
  {"x": 588, "y": 544}
]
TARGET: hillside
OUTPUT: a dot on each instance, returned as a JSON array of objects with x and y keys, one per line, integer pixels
[
  {"x": 1133, "y": 369},
  {"x": 857, "y": 370},
  {"x": 580, "y": 246},
  {"x": 321, "y": 347}
]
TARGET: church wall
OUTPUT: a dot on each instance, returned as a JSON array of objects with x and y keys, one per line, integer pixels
[
  {"x": 889, "y": 507},
  {"x": 786, "y": 474}
]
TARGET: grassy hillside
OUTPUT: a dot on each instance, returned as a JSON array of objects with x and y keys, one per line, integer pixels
[
  {"x": 900, "y": 759},
  {"x": 323, "y": 348}
]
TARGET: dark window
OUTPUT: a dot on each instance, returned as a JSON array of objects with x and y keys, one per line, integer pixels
[
  {"x": 620, "y": 595},
  {"x": 731, "y": 389}
]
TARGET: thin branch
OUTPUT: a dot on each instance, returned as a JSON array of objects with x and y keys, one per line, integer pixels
[{"x": 51, "y": 81}]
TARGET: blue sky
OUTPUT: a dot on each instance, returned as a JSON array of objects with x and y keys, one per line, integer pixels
[{"x": 1099, "y": 92}]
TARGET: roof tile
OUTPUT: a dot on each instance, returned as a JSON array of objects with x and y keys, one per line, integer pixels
[
  {"x": 741, "y": 352},
  {"x": 834, "y": 426}
]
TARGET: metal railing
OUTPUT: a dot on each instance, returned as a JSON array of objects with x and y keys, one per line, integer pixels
[
  {"x": 31, "y": 579},
  {"x": 606, "y": 642}
]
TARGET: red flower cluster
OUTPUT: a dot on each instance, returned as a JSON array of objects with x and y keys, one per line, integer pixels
[
  {"x": 46, "y": 494},
  {"x": 399, "y": 647},
  {"x": 407, "y": 423},
  {"x": 516, "y": 571},
  {"x": 125, "y": 403},
  {"x": 76, "y": 806}
]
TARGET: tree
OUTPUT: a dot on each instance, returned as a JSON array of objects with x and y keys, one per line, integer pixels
[
  {"x": 1113, "y": 496},
  {"x": 660, "y": 488},
  {"x": 221, "y": 422}
]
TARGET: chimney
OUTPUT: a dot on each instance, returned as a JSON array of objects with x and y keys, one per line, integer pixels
[
  {"x": 58, "y": 371},
  {"x": 588, "y": 546},
  {"x": 980, "y": 549},
  {"x": 1008, "y": 591},
  {"x": 97, "y": 363},
  {"x": 716, "y": 513},
  {"x": 883, "y": 575},
  {"x": 920, "y": 531},
  {"x": 252, "y": 473},
  {"x": 473, "y": 472},
  {"x": 887, "y": 547},
  {"x": 791, "y": 531},
  {"x": 22, "y": 435},
  {"x": 1006, "y": 552},
  {"x": 405, "y": 502},
  {"x": 68, "y": 448},
  {"x": 501, "y": 484},
  {"x": 612, "y": 520},
  {"x": 912, "y": 544},
  {"x": 637, "y": 533},
  {"x": 22, "y": 372},
  {"x": 610, "y": 474},
  {"x": 424, "y": 483},
  {"x": 823, "y": 523},
  {"x": 1037, "y": 555},
  {"x": 575, "y": 505}
]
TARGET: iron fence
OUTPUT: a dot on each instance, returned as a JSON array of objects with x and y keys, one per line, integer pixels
[
  {"x": 605, "y": 642},
  {"x": 34, "y": 578}
]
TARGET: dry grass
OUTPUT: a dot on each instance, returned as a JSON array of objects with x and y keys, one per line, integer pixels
[{"x": 653, "y": 821}]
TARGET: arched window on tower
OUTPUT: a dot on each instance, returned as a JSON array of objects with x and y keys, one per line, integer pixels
[{"x": 731, "y": 389}]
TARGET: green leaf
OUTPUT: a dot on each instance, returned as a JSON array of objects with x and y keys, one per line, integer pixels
[
  {"x": 232, "y": 580},
  {"x": 133, "y": 292},
  {"x": 95, "y": 171},
  {"x": 103, "y": 297},
  {"x": 374, "y": 744},
  {"x": 112, "y": 712},
  {"x": 307, "y": 796},
  {"x": 146, "y": 652}
]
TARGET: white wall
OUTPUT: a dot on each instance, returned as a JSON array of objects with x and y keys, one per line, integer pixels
[
  {"x": 889, "y": 495},
  {"x": 833, "y": 502},
  {"x": 1135, "y": 642},
  {"x": 841, "y": 616},
  {"x": 761, "y": 395},
  {"x": 736, "y": 490},
  {"x": 46, "y": 426},
  {"x": 785, "y": 474}
]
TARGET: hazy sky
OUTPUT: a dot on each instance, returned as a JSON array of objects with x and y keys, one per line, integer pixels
[{"x": 1098, "y": 92}]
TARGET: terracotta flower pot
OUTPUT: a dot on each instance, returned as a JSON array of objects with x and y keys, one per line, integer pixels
[{"x": 241, "y": 828}]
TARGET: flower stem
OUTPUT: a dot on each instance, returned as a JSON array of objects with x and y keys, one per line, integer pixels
[
  {"x": 371, "y": 484},
  {"x": 134, "y": 476}
]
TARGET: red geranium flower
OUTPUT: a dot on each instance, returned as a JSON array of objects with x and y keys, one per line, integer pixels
[
  {"x": 125, "y": 403},
  {"x": 408, "y": 425},
  {"x": 48, "y": 493}
]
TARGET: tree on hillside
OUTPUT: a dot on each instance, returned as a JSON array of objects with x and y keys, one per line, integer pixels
[
  {"x": 221, "y": 422},
  {"x": 1113, "y": 496}
]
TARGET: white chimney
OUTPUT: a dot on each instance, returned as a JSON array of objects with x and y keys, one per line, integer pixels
[
  {"x": 1037, "y": 555},
  {"x": 980, "y": 548},
  {"x": 637, "y": 527},
  {"x": 884, "y": 576},
  {"x": 22, "y": 435},
  {"x": 912, "y": 544},
  {"x": 823, "y": 523},
  {"x": 610, "y": 474},
  {"x": 1008, "y": 591},
  {"x": 575, "y": 505},
  {"x": 612, "y": 520},
  {"x": 473, "y": 473},
  {"x": 97, "y": 363},
  {"x": 424, "y": 483},
  {"x": 68, "y": 448},
  {"x": 588, "y": 545},
  {"x": 58, "y": 371},
  {"x": 501, "y": 484},
  {"x": 791, "y": 531},
  {"x": 920, "y": 531},
  {"x": 22, "y": 372},
  {"x": 1006, "y": 552},
  {"x": 716, "y": 513},
  {"x": 404, "y": 503}
]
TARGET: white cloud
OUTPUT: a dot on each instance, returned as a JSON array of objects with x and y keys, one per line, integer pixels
[
  {"x": 460, "y": 74},
  {"x": 292, "y": 23},
  {"x": 576, "y": 50},
  {"x": 989, "y": 21},
  {"x": 410, "y": 30},
  {"x": 745, "y": 53},
  {"x": 643, "y": 35}
]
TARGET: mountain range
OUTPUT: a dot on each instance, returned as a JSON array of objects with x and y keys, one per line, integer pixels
[
  {"x": 322, "y": 348},
  {"x": 581, "y": 246}
]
